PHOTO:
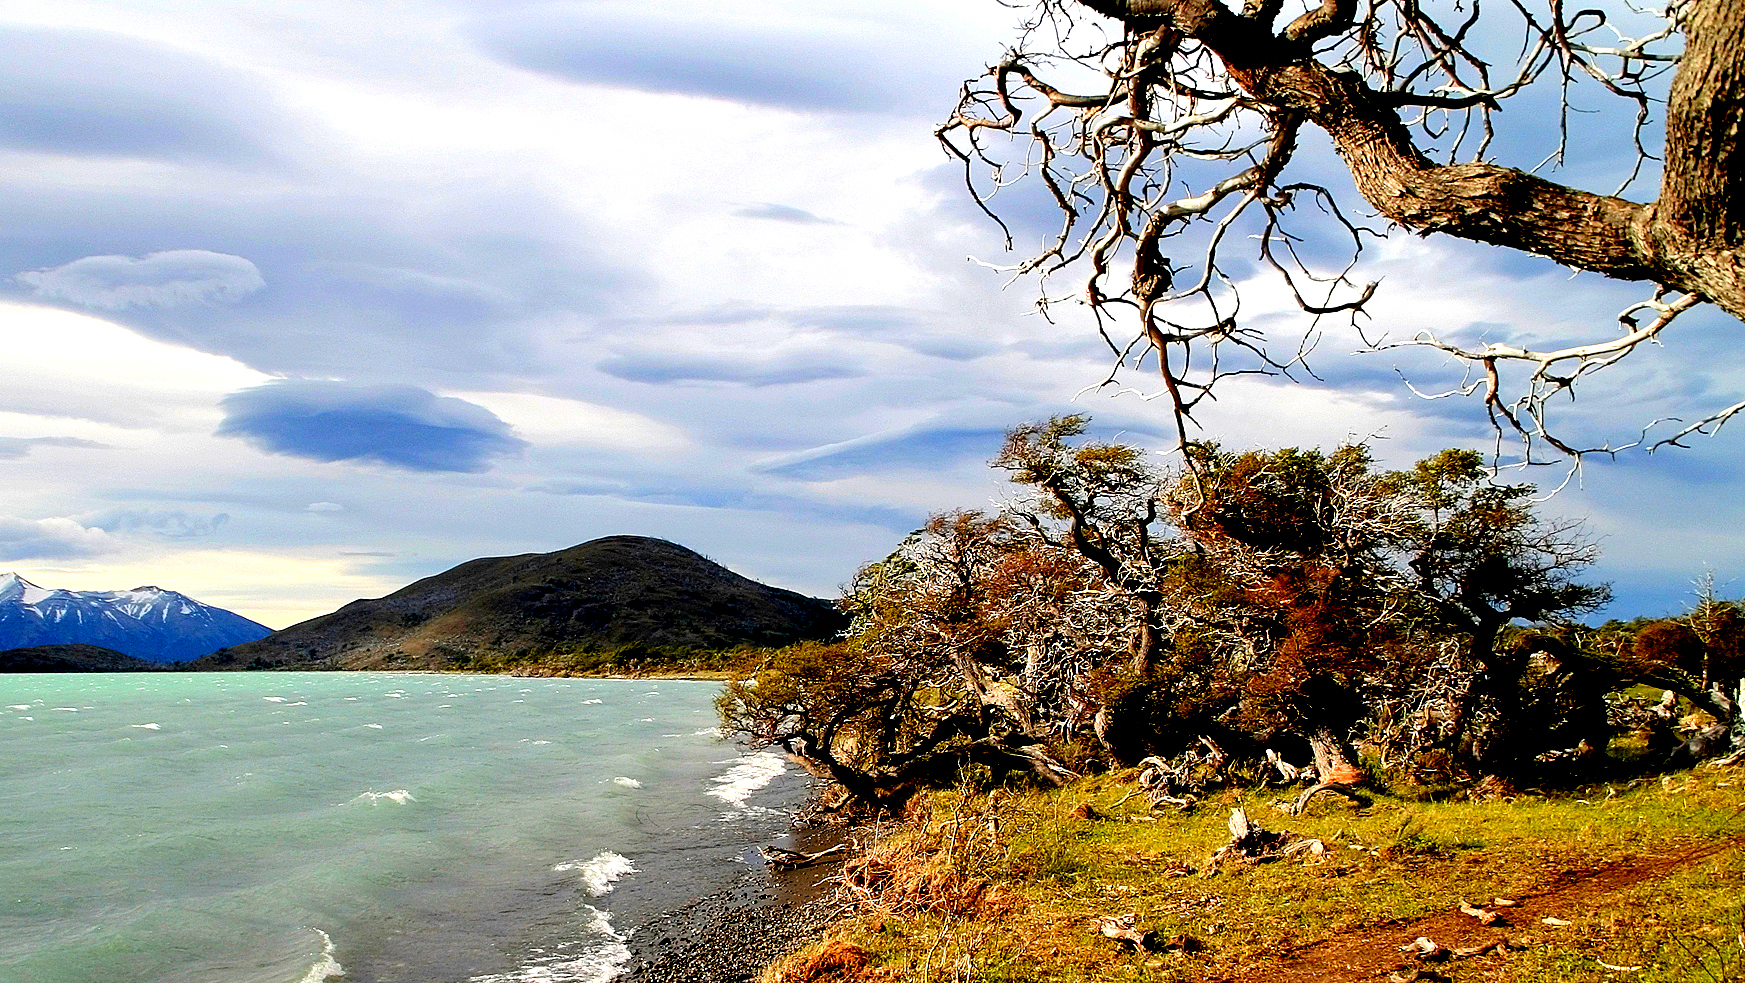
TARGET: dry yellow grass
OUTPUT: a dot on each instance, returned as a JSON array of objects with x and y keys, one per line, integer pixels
[{"x": 1009, "y": 889}]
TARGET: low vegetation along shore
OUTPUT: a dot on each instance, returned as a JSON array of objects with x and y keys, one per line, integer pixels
[
  {"x": 1632, "y": 880},
  {"x": 1266, "y": 716}
]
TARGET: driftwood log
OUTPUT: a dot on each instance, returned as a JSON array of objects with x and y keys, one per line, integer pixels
[{"x": 782, "y": 859}]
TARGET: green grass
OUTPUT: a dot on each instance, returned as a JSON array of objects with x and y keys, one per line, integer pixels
[
  {"x": 1395, "y": 860},
  {"x": 635, "y": 659}
]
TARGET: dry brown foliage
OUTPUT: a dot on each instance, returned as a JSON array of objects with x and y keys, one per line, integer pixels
[
  {"x": 893, "y": 880},
  {"x": 835, "y": 961},
  {"x": 1084, "y": 811}
]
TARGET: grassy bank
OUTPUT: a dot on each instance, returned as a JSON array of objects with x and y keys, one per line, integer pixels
[
  {"x": 635, "y": 659},
  {"x": 1647, "y": 875}
]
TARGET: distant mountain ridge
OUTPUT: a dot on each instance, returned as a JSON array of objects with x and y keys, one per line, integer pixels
[
  {"x": 610, "y": 592},
  {"x": 71, "y": 658},
  {"x": 148, "y": 623}
]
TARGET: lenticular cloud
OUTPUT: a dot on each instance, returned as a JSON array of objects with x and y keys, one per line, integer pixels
[
  {"x": 398, "y": 426},
  {"x": 173, "y": 278}
]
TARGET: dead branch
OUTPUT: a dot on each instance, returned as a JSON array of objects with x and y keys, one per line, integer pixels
[
  {"x": 1251, "y": 842},
  {"x": 782, "y": 859},
  {"x": 1195, "y": 96}
]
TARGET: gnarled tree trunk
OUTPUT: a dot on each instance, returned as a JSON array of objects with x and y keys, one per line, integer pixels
[{"x": 1690, "y": 238}]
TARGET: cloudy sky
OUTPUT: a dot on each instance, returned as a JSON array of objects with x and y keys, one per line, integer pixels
[{"x": 302, "y": 301}]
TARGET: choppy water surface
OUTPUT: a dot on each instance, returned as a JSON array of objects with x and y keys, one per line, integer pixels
[{"x": 370, "y": 827}]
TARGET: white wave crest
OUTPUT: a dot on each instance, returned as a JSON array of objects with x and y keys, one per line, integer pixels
[
  {"x": 374, "y": 726},
  {"x": 748, "y": 774},
  {"x": 601, "y": 872},
  {"x": 26, "y": 706},
  {"x": 147, "y": 726},
  {"x": 274, "y": 699},
  {"x": 398, "y": 796},
  {"x": 601, "y": 958},
  {"x": 327, "y": 967},
  {"x": 708, "y": 732},
  {"x": 587, "y": 702},
  {"x": 626, "y": 782}
]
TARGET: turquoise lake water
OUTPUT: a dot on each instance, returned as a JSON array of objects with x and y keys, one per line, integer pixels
[{"x": 364, "y": 827}]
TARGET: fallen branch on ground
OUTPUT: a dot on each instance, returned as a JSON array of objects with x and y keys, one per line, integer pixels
[
  {"x": 793, "y": 859},
  {"x": 1250, "y": 841}
]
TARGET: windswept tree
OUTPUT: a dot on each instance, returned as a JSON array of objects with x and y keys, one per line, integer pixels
[
  {"x": 1482, "y": 559},
  {"x": 1101, "y": 501},
  {"x": 943, "y": 667},
  {"x": 1166, "y": 134},
  {"x": 1313, "y": 606},
  {"x": 1114, "y": 611}
]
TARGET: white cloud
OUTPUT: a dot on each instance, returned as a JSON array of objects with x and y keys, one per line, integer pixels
[
  {"x": 55, "y": 538},
  {"x": 552, "y": 420},
  {"x": 77, "y": 367},
  {"x": 172, "y": 278}
]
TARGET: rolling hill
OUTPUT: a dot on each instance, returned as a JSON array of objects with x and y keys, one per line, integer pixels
[
  {"x": 606, "y": 593},
  {"x": 71, "y": 658}
]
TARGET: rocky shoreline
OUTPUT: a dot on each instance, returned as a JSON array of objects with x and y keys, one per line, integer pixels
[{"x": 730, "y": 936}]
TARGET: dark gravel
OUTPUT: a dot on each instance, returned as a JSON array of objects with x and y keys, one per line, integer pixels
[{"x": 730, "y": 936}]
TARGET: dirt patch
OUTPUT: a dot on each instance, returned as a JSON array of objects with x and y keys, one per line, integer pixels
[{"x": 1372, "y": 951}]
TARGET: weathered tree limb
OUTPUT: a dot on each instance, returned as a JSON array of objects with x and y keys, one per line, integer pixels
[
  {"x": 1340, "y": 788},
  {"x": 1251, "y": 841},
  {"x": 1391, "y": 91},
  {"x": 1689, "y": 239},
  {"x": 793, "y": 859}
]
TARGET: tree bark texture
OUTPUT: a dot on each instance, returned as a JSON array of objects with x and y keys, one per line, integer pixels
[{"x": 1689, "y": 239}]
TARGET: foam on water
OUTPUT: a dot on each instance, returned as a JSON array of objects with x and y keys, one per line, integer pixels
[
  {"x": 398, "y": 796},
  {"x": 327, "y": 967},
  {"x": 584, "y": 703},
  {"x": 599, "y": 873},
  {"x": 600, "y": 958},
  {"x": 748, "y": 774},
  {"x": 276, "y": 826}
]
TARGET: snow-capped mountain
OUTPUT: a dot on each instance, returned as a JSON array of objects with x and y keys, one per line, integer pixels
[{"x": 145, "y": 622}]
